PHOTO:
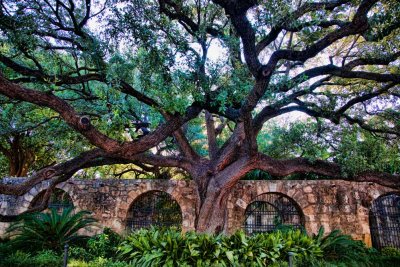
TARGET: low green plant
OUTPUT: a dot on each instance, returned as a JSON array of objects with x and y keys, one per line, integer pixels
[
  {"x": 240, "y": 249},
  {"x": 155, "y": 247},
  {"x": 98, "y": 262},
  {"x": 51, "y": 230},
  {"x": 304, "y": 248},
  {"x": 17, "y": 259},
  {"x": 105, "y": 244},
  {"x": 387, "y": 257},
  {"x": 80, "y": 254},
  {"x": 390, "y": 252},
  {"x": 338, "y": 247},
  {"x": 158, "y": 247},
  {"x": 5, "y": 249},
  {"x": 45, "y": 258}
]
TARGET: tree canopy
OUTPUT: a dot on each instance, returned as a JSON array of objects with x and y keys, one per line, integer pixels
[{"x": 199, "y": 89}]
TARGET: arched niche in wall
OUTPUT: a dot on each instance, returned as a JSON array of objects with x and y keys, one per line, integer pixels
[
  {"x": 155, "y": 208},
  {"x": 384, "y": 221},
  {"x": 271, "y": 211},
  {"x": 59, "y": 200}
]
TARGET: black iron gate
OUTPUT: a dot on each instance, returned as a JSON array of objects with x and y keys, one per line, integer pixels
[
  {"x": 154, "y": 208},
  {"x": 270, "y": 211},
  {"x": 59, "y": 200},
  {"x": 384, "y": 220}
]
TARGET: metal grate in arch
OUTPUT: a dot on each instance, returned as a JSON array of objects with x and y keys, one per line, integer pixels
[
  {"x": 59, "y": 200},
  {"x": 269, "y": 211},
  {"x": 155, "y": 208},
  {"x": 384, "y": 220}
]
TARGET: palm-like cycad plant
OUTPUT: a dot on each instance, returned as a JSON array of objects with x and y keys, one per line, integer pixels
[{"x": 50, "y": 230}]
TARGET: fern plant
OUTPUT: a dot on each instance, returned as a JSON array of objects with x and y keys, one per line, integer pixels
[{"x": 50, "y": 230}]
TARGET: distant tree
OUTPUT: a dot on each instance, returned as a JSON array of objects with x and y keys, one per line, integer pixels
[{"x": 210, "y": 77}]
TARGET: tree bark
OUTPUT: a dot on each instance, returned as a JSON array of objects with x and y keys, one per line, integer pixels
[
  {"x": 19, "y": 157},
  {"x": 212, "y": 217}
]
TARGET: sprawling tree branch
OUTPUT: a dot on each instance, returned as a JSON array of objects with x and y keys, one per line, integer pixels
[{"x": 286, "y": 167}]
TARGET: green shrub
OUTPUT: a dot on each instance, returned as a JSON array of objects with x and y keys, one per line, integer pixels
[
  {"x": 240, "y": 249},
  {"x": 338, "y": 247},
  {"x": 304, "y": 248},
  {"x": 102, "y": 245},
  {"x": 99, "y": 262},
  {"x": 80, "y": 254},
  {"x": 390, "y": 252},
  {"x": 5, "y": 249},
  {"x": 17, "y": 259},
  {"x": 387, "y": 257},
  {"x": 105, "y": 244},
  {"x": 49, "y": 230},
  {"x": 155, "y": 247},
  {"x": 47, "y": 258}
]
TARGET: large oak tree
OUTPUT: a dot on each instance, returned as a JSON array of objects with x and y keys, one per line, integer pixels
[{"x": 210, "y": 76}]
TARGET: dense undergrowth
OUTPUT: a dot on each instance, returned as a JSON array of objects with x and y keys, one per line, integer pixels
[{"x": 170, "y": 248}]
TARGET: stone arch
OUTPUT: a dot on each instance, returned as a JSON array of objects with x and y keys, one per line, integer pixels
[
  {"x": 154, "y": 207},
  {"x": 272, "y": 210},
  {"x": 59, "y": 199},
  {"x": 384, "y": 221}
]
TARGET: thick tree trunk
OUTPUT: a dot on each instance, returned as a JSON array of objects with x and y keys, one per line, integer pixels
[
  {"x": 20, "y": 162},
  {"x": 18, "y": 167},
  {"x": 20, "y": 158},
  {"x": 213, "y": 213},
  {"x": 212, "y": 216}
]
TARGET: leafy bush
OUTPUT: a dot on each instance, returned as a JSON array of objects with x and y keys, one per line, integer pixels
[
  {"x": 155, "y": 247},
  {"x": 99, "y": 262},
  {"x": 390, "y": 252},
  {"x": 17, "y": 259},
  {"x": 52, "y": 230},
  {"x": 105, "y": 244},
  {"x": 45, "y": 258},
  {"x": 388, "y": 257},
  {"x": 79, "y": 254},
  {"x": 338, "y": 247},
  {"x": 5, "y": 249}
]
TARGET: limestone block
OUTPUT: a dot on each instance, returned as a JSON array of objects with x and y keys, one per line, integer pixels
[
  {"x": 33, "y": 191},
  {"x": 324, "y": 209},
  {"x": 310, "y": 218},
  {"x": 311, "y": 198},
  {"x": 326, "y": 226},
  {"x": 241, "y": 203},
  {"x": 272, "y": 187},
  {"x": 291, "y": 192},
  {"x": 351, "y": 218},
  {"x": 327, "y": 199},
  {"x": 28, "y": 197},
  {"x": 324, "y": 218},
  {"x": 303, "y": 201},
  {"x": 347, "y": 208},
  {"x": 313, "y": 228},
  {"x": 308, "y": 189},
  {"x": 104, "y": 189}
]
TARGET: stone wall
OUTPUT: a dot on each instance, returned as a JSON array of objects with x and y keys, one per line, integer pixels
[{"x": 333, "y": 204}]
